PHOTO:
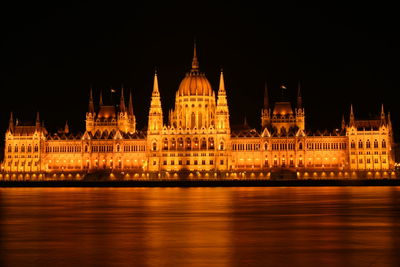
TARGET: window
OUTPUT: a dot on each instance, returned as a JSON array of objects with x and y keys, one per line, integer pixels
[
  {"x": 360, "y": 161},
  {"x": 368, "y": 144},
  {"x": 368, "y": 160},
  {"x": 203, "y": 162},
  {"x": 376, "y": 143},
  {"x": 211, "y": 162},
  {"x": 353, "y": 145},
  {"x": 9, "y": 148},
  {"x": 300, "y": 146},
  {"x": 16, "y": 148},
  {"x": 187, "y": 162},
  {"x": 360, "y": 144},
  {"x": 383, "y": 143},
  {"x": 376, "y": 160},
  {"x": 221, "y": 146},
  {"x": 154, "y": 147},
  {"x": 36, "y": 148},
  {"x": 195, "y": 162},
  {"x": 164, "y": 162},
  {"x": 221, "y": 162},
  {"x": 172, "y": 162}
]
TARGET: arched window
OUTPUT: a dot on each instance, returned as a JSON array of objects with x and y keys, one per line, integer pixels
[
  {"x": 173, "y": 143},
  {"x": 118, "y": 148},
  {"x": 221, "y": 145},
  {"x": 9, "y": 148},
  {"x": 353, "y": 144},
  {"x": 36, "y": 148},
  {"x": 193, "y": 120},
  {"x": 154, "y": 148},
  {"x": 16, "y": 148},
  {"x": 23, "y": 148},
  {"x": 180, "y": 143},
  {"x": 188, "y": 143},
  {"x": 165, "y": 144},
  {"x": 211, "y": 143},
  {"x": 200, "y": 120},
  {"x": 265, "y": 146},
  {"x": 300, "y": 146},
  {"x": 196, "y": 143},
  {"x": 376, "y": 143},
  {"x": 86, "y": 148},
  {"x": 203, "y": 143},
  {"x": 368, "y": 144},
  {"x": 360, "y": 144},
  {"x": 383, "y": 143}
]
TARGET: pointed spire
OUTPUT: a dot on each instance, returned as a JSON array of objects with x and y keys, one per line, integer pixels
[
  {"x": 155, "y": 85},
  {"x": 122, "y": 101},
  {"x": 37, "y": 120},
  {"x": 101, "y": 98},
  {"x": 266, "y": 98},
  {"x": 11, "y": 123},
  {"x": 245, "y": 121},
  {"x": 66, "y": 128},
  {"x": 389, "y": 121},
  {"x": 351, "y": 115},
  {"x": 195, "y": 62},
  {"x": 91, "y": 103},
  {"x": 130, "y": 108},
  {"x": 382, "y": 112},
  {"x": 343, "y": 123},
  {"x": 221, "y": 83},
  {"x": 299, "y": 98}
]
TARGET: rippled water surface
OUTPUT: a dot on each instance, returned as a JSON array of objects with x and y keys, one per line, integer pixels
[{"x": 294, "y": 226}]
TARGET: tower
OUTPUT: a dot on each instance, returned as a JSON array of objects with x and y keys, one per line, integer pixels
[
  {"x": 155, "y": 122},
  {"x": 90, "y": 114},
  {"x": 131, "y": 115},
  {"x": 123, "y": 119},
  {"x": 222, "y": 111},
  {"x": 265, "y": 111},
  {"x": 300, "y": 116}
]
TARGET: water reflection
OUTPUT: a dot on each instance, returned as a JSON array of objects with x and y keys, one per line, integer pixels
[{"x": 330, "y": 226}]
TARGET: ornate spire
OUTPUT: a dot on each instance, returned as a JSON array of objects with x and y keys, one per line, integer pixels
[
  {"x": 352, "y": 121},
  {"x": 299, "y": 98},
  {"x": 266, "y": 98},
  {"x": 155, "y": 113},
  {"x": 122, "y": 101},
  {"x": 343, "y": 123},
  {"x": 130, "y": 108},
  {"x": 11, "y": 123},
  {"x": 156, "y": 92},
  {"x": 91, "y": 104},
  {"x": 37, "y": 120},
  {"x": 66, "y": 128},
  {"x": 195, "y": 62},
  {"x": 221, "y": 83}
]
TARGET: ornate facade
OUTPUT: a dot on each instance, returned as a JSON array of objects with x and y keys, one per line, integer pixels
[{"x": 198, "y": 137}]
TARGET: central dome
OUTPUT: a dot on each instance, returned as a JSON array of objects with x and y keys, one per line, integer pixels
[{"x": 195, "y": 82}]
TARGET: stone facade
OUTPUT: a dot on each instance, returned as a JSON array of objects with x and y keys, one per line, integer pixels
[{"x": 199, "y": 138}]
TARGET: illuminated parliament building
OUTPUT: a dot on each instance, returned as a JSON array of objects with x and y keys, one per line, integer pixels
[{"x": 198, "y": 139}]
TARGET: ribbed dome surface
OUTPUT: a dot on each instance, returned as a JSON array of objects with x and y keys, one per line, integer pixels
[{"x": 195, "y": 83}]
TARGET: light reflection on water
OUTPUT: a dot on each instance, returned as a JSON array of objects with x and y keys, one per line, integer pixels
[{"x": 293, "y": 226}]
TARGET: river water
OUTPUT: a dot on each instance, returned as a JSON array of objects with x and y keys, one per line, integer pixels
[{"x": 279, "y": 226}]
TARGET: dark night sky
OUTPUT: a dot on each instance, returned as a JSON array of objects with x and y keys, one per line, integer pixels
[{"x": 342, "y": 54}]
